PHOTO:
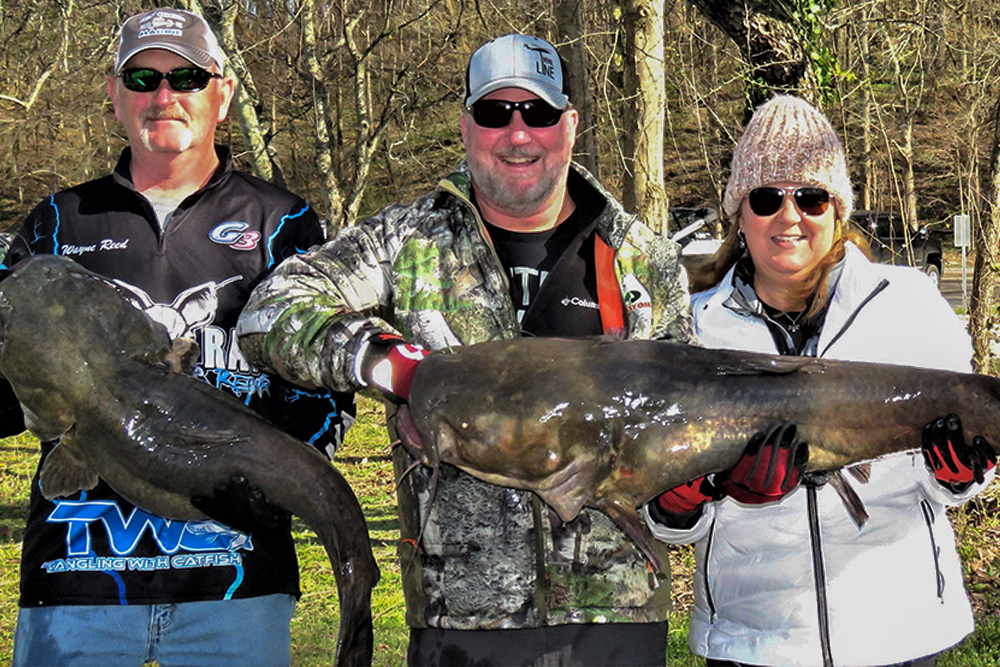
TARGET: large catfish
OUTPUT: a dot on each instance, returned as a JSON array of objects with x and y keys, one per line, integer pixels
[
  {"x": 92, "y": 371},
  {"x": 611, "y": 424}
]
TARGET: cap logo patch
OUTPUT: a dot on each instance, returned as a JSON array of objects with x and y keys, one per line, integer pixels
[
  {"x": 161, "y": 23},
  {"x": 545, "y": 65}
]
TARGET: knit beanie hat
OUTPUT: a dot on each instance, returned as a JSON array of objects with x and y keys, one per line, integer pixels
[{"x": 788, "y": 139}]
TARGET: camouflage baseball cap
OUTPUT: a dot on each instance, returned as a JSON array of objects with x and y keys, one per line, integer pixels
[{"x": 176, "y": 30}]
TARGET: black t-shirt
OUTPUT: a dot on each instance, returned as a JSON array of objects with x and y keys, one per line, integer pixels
[{"x": 552, "y": 274}]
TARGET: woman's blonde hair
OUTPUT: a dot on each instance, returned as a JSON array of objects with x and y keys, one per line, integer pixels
[{"x": 813, "y": 291}]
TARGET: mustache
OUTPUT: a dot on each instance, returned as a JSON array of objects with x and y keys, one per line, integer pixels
[
  {"x": 518, "y": 152},
  {"x": 169, "y": 113}
]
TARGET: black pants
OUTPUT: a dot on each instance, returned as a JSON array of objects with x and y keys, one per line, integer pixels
[{"x": 612, "y": 644}]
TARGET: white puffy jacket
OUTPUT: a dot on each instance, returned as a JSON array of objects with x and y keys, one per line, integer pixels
[{"x": 796, "y": 582}]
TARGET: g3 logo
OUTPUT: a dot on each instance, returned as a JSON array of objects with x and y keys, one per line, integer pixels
[{"x": 235, "y": 235}]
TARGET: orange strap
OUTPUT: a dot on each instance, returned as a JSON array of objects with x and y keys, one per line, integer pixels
[{"x": 609, "y": 295}]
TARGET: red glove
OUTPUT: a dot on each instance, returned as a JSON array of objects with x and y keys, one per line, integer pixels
[
  {"x": 687, "y": 497},
  {"x": 770, "y": 468},
  {"x": 955, "y": 464},
  {"x": 389, "y": 363}
]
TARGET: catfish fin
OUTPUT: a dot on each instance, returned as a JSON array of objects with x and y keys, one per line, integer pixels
[
  {"x": 63, "y": 474},
  {"x": 192, "y": 436},
  {"x": 183, "y": 355},
  {"x": 178, "y": 432},
  {"x": 861, "y": 471},
  {"x": 566, "y": 505},
  {"x": 180, "y": 356},
  {"x": 769, "y": 365},
  {"x": 627, "y": 518},
  {"x": 852, "y": 501}
]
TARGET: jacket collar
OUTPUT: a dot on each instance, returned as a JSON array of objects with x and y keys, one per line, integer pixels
[
  {"x": 855, "y": 283},
  {"x": 123, "y": 174}
]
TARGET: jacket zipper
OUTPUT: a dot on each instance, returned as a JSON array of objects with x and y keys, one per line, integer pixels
[
  {"x": 929, "y": 519},
  {"x": 819, "y": 573},
  {"x": 850, "y": 320},
  {"x": 708, "y": 559}
]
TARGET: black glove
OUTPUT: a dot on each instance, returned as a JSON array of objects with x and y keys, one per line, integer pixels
[
  {"x": 954, "y": 463},
  {"x": 771, "y": 467},
  {"x": 238, "y": 505}
]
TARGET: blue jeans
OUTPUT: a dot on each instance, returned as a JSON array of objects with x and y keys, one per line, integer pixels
[{"x": 225, "y": 633}]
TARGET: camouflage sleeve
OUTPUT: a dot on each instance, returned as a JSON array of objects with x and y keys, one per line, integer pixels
[
  {"x": 308, "y": 318},
  {"x": 655, "y": 262},
  {"x": 674, "y": 322}
]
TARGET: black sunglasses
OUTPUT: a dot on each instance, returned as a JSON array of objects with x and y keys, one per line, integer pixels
[
  {"x": 181, "y": 80},
  {"x": 768, "y": 200},
  {"x": 497, "y": 113}
]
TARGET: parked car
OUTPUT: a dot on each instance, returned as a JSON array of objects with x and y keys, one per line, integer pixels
[
  {"x": 887, "y": 237},
  {"x": 692, "y": 229}
]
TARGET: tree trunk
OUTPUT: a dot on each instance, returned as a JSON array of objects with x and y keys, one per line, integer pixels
[
  {"x": 569, "y": 18},
  {"x": 333, "y": 200},
  {"x": 982, "y": 301},
  {"x": 770, "y": 44},
  {"x": 645, "y": 93},
  {"x": 246, "y": 103}
]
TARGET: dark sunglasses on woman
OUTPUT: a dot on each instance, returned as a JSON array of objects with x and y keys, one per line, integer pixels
[
  {"x": 181, "y": 80},
  {"x": 768, "y": 200},
  {"x": 497, "y": 113}
]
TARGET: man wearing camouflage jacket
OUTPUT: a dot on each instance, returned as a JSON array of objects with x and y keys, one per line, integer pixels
[{"x": 517, "y": 241}]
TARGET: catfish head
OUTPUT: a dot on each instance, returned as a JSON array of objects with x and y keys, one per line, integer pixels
[{"x": 484, "y": 424}]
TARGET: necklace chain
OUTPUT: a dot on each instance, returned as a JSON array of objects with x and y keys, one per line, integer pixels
[{"x": 792, "y": 322}]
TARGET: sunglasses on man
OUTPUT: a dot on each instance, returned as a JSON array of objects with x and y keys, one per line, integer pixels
[
  {"x": 495, "y": 114},
  {"x": 180, "y": 80},
  {"x": 768, "y": 200}
]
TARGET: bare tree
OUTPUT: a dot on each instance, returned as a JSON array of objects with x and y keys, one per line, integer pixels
[
  {"x": 247, "y": 106},
  {"x": 569, "y": 17},
  {"x": 773, "y": 38},
  {"x": 986, "y": 277},
  {"x": 642, "y": 138}
]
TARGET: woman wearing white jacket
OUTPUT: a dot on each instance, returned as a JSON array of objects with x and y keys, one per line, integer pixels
[{"x": 797, "y": 581}]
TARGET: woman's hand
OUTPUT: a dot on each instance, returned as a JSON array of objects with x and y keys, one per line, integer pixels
[{"x": 954, "y": 463}]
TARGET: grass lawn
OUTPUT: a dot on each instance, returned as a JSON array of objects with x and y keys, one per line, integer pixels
[{"x": 364, "y": 460}]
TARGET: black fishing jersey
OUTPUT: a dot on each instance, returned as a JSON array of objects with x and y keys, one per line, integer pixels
[{"x": 193, "y": 276}]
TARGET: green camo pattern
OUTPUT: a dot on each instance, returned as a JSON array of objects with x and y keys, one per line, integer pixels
[{"x": 489, "y": 556}]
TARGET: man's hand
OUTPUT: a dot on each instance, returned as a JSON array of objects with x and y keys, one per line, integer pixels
[
  {"x": 770, "y": 468},
  {"x": 954, "y": 463},
  {"x": 388, "y": 362},
  {"x": 241, "y": 506}
]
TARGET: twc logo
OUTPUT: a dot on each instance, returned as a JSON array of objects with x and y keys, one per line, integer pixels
[{"x": 235, "y": 235}]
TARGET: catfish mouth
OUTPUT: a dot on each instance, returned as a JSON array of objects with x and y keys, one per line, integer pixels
[{"x": 409, "y": 437}]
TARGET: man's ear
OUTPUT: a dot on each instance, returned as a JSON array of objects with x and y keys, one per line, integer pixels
[
  {"x": 227, "y": 88},
  {"x": 463, "y": 122},
  {"x": 572, "y": 124},
  {"x": 113, "y": 94}
]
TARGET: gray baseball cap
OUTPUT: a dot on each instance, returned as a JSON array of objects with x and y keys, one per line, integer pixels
[
  {"x": 517, "y": 61},
  {"x": 176, "y": 30}
]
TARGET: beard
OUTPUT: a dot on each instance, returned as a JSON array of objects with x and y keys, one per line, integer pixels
[
  {"x": 515, "y": 197},
  {"x": 178, "y": 138}
]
